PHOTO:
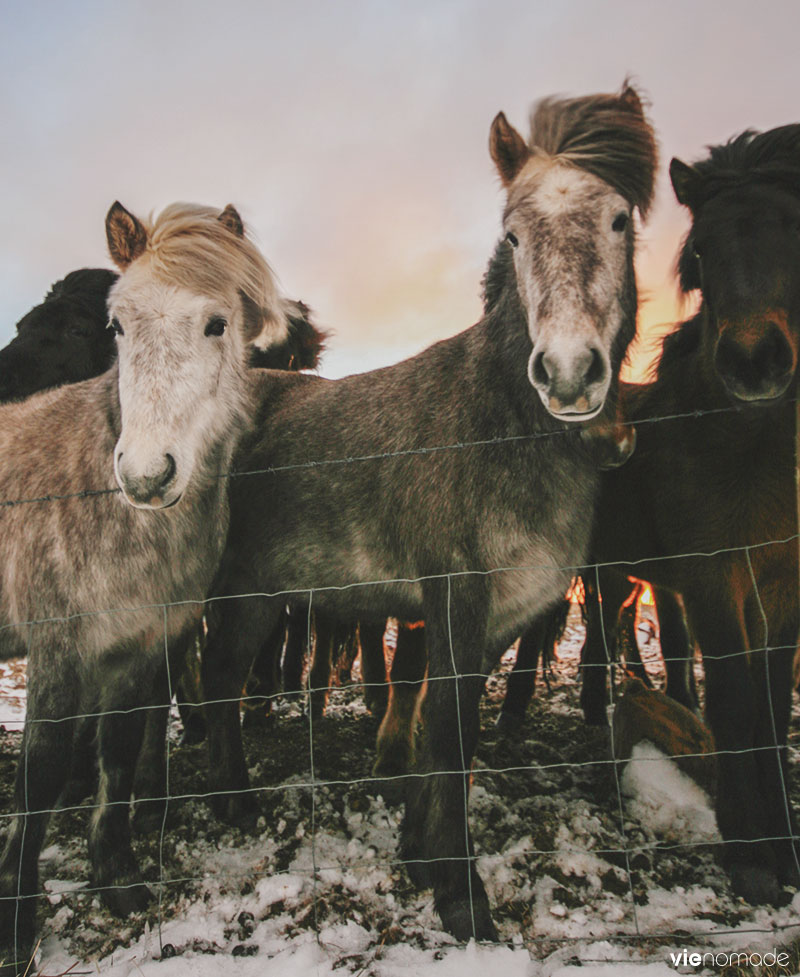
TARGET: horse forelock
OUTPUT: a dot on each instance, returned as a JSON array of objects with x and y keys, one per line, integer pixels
[
  {"x": 86, "y": 287},
  {"x": 606, "y": 135},
  {"x": 752, "y": 157},
  {"x": 188, "y": 246},
  {"x": 749, "y": 160}
]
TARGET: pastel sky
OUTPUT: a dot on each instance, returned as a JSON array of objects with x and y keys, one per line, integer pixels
[{"x": 351, "y": 134}]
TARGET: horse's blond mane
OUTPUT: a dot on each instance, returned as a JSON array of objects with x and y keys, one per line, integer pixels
[
  {"x": 189, "y": 245},
  {"x": 607, "y": 135}
]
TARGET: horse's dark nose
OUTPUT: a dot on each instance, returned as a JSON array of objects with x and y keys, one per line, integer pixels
[
  {"x": 147, "y": 489},
  {"x": 756, "y": 365},
  {"x": 570, "y": 384}
]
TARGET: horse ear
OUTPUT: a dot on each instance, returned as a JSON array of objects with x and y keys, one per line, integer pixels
[
  {"x": 509, "y": 150},
  {"x": 263, "y": 327},
  {"x": 684, "y": 182},
  {"x": 230, "y": 218},
  {"x": 127, "y": 238},
  {"x": 631, "y": 99}
]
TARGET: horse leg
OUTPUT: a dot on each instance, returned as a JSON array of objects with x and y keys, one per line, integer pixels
[
  {"x": 150, "y": 778},
  {"x": 294, "y": 656},
  {"x": 119, "y": 738},
  {"x": 346, "y": 643},
  {"x": 42, "y": 771},
  {"x": 597, "y": 654},
  {"x": 227, "y": 658},
  {"x": 626, "y": 641},
  {"x": 731, "y": 712},
  {"x": 263, "y": 681},
  {"x": 395, "y": 745},
  {"x": 82, "y": 782},
  {"x": 435, "y": 833},
  {"x": 150, "y": 787},
  {"x": 677, "y": 649},
  {"x": 373, "y": 667},
  {"x": 319, "y": 675},
  {"x": 771, "y": 737},
  {"x": 189, "y": 694},
  {"x": 522, "y": 677},
  {"x": 773, "y": 672}
]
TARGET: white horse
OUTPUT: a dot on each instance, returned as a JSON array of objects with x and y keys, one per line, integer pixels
[{"x": 95, "y": 588}]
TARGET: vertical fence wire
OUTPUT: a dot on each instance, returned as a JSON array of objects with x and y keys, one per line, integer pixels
[
  {"x": 24, "y": 761},
  {"x": 465, "y": 772},
  {"x": 161, "y": 883},
  {"x": 614, "y": 764},
  {"x": 309, "y": 708},
  {"x": 768, "y": 692}
]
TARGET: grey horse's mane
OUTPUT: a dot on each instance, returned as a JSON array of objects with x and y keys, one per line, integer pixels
[{"x": 607, "y": 135}]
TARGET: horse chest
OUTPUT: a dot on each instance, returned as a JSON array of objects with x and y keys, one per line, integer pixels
[{"x": 530, "y": 571}]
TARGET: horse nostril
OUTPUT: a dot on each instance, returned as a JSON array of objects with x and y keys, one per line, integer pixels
[
  {"x": 540, "y": 372},
  {"x": 755, "y": 366},
  {"x": 597, "y": 370},
  {"x": 169, "y": 472},
  {"x": 773, "y": 356}
]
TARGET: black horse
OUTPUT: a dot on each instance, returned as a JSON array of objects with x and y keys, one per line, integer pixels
[
  {"x": 707, "y": 505},
  {"x": 64, "y": 339}
]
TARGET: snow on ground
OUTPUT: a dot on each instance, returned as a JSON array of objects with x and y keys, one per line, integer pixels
[
  {"x": 665, "y": 799},
  {"x": 578, "y": 888}
]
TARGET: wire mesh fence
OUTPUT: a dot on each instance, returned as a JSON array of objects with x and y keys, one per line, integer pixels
[{"x": 567, "y": 860}]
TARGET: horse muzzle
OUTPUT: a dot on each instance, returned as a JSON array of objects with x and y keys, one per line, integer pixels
[
  {"x": 148, "y": 491},
  {"x": 756, "y": 359},
  {"x": 572, "y": 387}
]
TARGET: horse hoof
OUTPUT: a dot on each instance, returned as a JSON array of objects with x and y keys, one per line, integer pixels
[
  {"x": 238, "y": 810},
  {"x": 376, "y": 705},
  {"x": 466, "y": 919},
  {"x": 194, "y": 731},
  {"x": 417, "y": 867},
  {"x": 124, "y": 900},
  {"x": 595, "y": 717},
  {"x": 756, "y": 884},
  {"x": 10, "y": 968},
  {"x": 508, "y": 724},
  {"x": 75, "y": 793},
  {"x": 148, "y": 818},
  {"x": 419, "y": 873},
  {"x": 393, "y": 762},
  {"x": 16, "y": 957},
  {"x": 391, "y": 789}
]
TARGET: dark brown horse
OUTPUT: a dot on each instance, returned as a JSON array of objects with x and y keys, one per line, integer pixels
[
  {"x": 453, "y": 487},
  {"x": 707, "y": 506}
]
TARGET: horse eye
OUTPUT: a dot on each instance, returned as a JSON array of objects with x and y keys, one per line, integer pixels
[
  {"x": 620, "y": 222},
  {"x": 215, "y": 326},
  {"x": 115, "y": 327},
  {"x": 512, "y": 239}
]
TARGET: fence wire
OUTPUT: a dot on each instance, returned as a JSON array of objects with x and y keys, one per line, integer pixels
[{"x": 314, "y": 784}]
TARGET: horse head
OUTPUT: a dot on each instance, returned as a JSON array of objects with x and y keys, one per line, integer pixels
[
  {"x": 743, "y": 252},
  {"x": 193, "y": 294},
  {"x": 568, "y": 220},
  {"x": 63, "y": 339}
]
